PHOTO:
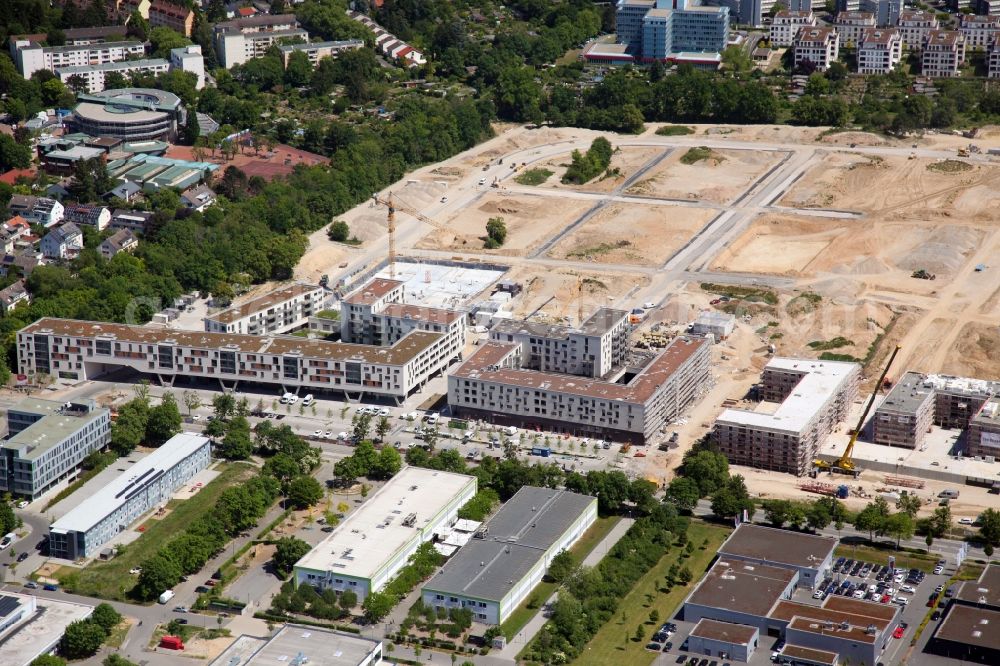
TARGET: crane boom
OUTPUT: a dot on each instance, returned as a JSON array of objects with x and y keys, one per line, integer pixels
[{"x": 846, "y": 462}]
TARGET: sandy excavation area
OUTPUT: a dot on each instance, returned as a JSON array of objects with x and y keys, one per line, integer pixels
[
  {"x": 975, "y": 352},
  {"x": 623, "y": 233},
  {"x": 530, "y": 220},
  {"x": 556, "y": 293},
  {"x": 718, "y": 179},
  {"x": 625, "y": 162}
]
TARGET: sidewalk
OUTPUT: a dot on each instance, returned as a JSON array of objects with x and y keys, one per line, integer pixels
[{"x": 534, "y": 625}]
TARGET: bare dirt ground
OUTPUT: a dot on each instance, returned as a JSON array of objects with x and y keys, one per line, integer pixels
[
  {"x": 975, "y": 352},
  {"x": 626, "y": 160},
  {"x": 555, "y": 292},
  {"x": 530, "y": 220},
  {"x": 718, "y": 179},
  {"x": 622, "y": 233}
]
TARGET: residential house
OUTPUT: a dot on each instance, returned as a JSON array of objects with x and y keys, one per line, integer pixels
[
  {"x": 944, "y": 53},
  {"x": 127, "y": 192},
  {"x": 879, "y": 51},
  {"x": 177, "y": 17},
  {"x": 17, "y": 226},
  {"x": 37, "y": 210},
  {"x": 850, "y": 25},
  {"x": 13, "y": 295},
  {"x": 979, "y": 31},
  {"x": 95, "y": 216},
  {"x": 198, "y": 198},
  {"x": 914, "y": 26},
  {"x": 136, "y": 221},
  {"x": 786, "y": 25},
  {"x": 62, "y": 242},
  {"x": 20, "y": 263},
  {"x": 820, "y": 46},
  {"x": 122, "y": 240}
]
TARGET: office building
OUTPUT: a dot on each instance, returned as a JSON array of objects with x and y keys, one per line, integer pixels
[
  {"x": 189, "y": 59},
  {"x": 316, "y": 51},
  {"x": 810, "y": 556},
  {"x": 886, "y": 12},
  {"x": 914, "y": 26},
  {"x": 242, "y": 39},
  {"x": 814, "y": 397},
  {"x": 32, "y": 626},
  {"x": 979, "y": 31},
  {"x": 820, "y": 46},
  {"x": 944, "y": 53},
  {"x": 851, "y": 25},
  {"x": 879, "y": 51},
  {"x": 496, "y": 570},
  {"x": 47, "y": 440},
  {"x": 967, "y": 631},
  {"x": 36, "y": 210},
  {"x": 116, "y": 506},
  {"x": 280, "y": 311},
  {"x": 297, "y": 645},
  {"x": 629, "y": 15},
  {"x": 668, "y": 30},
  {"x": 800, "y": 5},
  {"x": 369, "y": 547},
  {"x": 130, "y": 114},
  {"x": 786, "y": 25},
  {"x": 30, "y": 57}
]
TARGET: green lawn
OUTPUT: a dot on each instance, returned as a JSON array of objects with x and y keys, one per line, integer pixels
[
  {"x": 522, "y": 615},
  {"x": 609, "y": 645},
  {"x": 111, "y": 579},
  {"x": 904, "y": 559}
]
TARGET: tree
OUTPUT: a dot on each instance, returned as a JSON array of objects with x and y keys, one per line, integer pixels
[
  {"x": 382, "y": 427},
  {"x": 909, "y": 504},
  {"x": 899, "y": 525},
  {"x": 818, "y": 515},
  {"x": 496, "y": 232},
  {"x": 871, "y": 519},
  {"x": 732, "y": 499},
  {"x": 989, "y": 526},
  {"x": 561, "y": 567},
  {"x": 640, "y": 633},
  {"x": 654, "y": 616},
  {"x": 48, "y": 660},
  {"x": 13, "y": 155},
  {"x": 684, "y": 576},
  {"x": 192, "y": 130},
  {"x": 236, "y": 445},
  {"x": 339, "y": 231},
  {"x": 129, "y": 429},
  {"x": 224, "y": 404},
  {"x": 709, "y": 469},
  {"x": 191, "y": 400},
  {"x": 8, "y": 521},
  {"x": 683, "y": 492},
  {"x": 377, "y": 605},
  {"x": 776, "y": 511},
  {"x": 288, "y": 551},
  {"x": 362, "y": 426},
  {"x": 116, "y": 660},
  {"x": 163, "y": 40},
  {"x": 939, "y": 522},
  {"x": 81, "y": 639},
  {"x": 159, "y": 573},
  {"x": 387, "y": 465},
  {"x": 298, "y": 70},
  {"x": 164, "y": 421},
  {"x": 106, "y": 616},
  {"x": 348, "y": 600},
  {"x": 304, "y": 492}
]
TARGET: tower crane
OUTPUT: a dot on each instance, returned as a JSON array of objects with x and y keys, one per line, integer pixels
[
  {"x": 393, "y": 205},
  {"x": 845, "y": 463}
]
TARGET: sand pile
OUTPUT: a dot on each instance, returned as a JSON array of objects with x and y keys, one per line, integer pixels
[{"x": 944, "y": 251}]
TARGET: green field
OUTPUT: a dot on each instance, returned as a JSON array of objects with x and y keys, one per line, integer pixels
[
  {"x": 111, "y": 579},
  {"x": 522, "y": 614},
  {"x": 609, "y": 645}
]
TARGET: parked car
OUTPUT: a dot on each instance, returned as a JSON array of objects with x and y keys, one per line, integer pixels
[
  {"x": 22, "y": 557},
  {"x": 902, "y": 601},
  {"x": 898, "y": 633},
  {"x": 936, "y": 615},
  {"x": 22, "y": 504},
  {"x": 31, "y": 585},
  {"x": 50, "y": 587}
]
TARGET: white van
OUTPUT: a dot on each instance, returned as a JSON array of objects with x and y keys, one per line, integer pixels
[
  {"x": 7, "y": 540},
  {"x": 308, "y": 400},
  {"x": 286, "y": 398},
  {"x": 433, "y": 418},
  {"x": 166, "y": 596},
  {"x": 510, "y": 431}
]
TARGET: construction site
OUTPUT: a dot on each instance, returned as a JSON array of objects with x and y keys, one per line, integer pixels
[{"x": 833, "y": 245}]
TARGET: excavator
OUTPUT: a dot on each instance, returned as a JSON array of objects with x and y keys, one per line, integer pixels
[{"x": 845, "y": 464}]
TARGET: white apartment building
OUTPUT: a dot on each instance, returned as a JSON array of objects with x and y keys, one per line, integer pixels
[
  {"x": 114, "y": 507},
  {"x": 786, "y": 25},
  {"x": 819, "y": 46},
  {"x": 242, "y": 39},
  {"x": 316, "y": 51},
  {"x": 879, "y": 51},
  {"x": 281, "y": 311},
  {"x": 493, "y": 384},
  {"x": 850, "y": 25},
  {"x": 189, "y": 59},
  {"x": 31, "y": 58},
  {"x": 914, "y": 26},
  {"x": 979, "y": 31},
  {"x": 944, "y": 53},
  {"x": 994, "y": 59},
  {"x": 93, "y": 76}
]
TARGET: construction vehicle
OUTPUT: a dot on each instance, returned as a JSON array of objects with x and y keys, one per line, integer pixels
[
  {"x": 845, "y": 464},
  {"x": 963, "y": 152},
  {"x": 923, "y": 275}
]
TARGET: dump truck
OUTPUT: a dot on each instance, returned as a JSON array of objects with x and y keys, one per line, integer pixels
[{"x": 923, "y": 275}]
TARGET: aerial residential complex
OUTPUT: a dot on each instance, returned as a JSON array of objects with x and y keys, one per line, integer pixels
[
  {"x": 879, "y": 51},
  {"x": 493, "y": 573},
  {"x": 820, "y": 46},
  {"x": 241, "y": 39},
  {"x": 944, "y": 53},
  {"x": 813, "y": 395},
  {"x": 914, "y": 26},
  {"x": 31, "y": 57},
  {"x": 114, "y": 507},
  {"x": 374, "y": 541},
  {"x": 786, "y": 25},
  {"x": 851, "y": 25},
  {"x": 280, "y": 311},
  {"x": 46, "y": 441}
]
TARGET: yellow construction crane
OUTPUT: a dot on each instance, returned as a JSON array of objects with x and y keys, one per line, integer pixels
[
  {"x": 393, "y": 206},
  {"x": 845, "y": 463}
]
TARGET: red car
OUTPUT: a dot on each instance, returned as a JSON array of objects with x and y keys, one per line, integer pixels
[
  {"x": 210, "y": 583},
  {"x": 898, "y": 633},
  {"x": 886, "y": 598}
]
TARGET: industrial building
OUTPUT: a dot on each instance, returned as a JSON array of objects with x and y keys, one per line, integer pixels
[
  {"x": 944, "y": 53},
  {"x": 809, "y": 555},
  {"x": 47, "y": 440},
  {"x": 495, "y": 384},
  {"x": 724, "y": 640},
  {"x": 316, "y": 51},
  {"x": 820, "y": 46},
  {"x": 661, "y": 30},
  {"x": 369, "y": 547},
  {"x": 968, "y": 630},
  {"x": 297, "y": 645},
  {"x": 242, "y": 39},
  {"x": 281, "y": 311},
  {"x": 32, "y": 626},
  {"x": 131, "y": 114},
  {"x": 495, "y": 571},
  {"x": 814, "y": 397},
  {"x": 113, "y": 508}
]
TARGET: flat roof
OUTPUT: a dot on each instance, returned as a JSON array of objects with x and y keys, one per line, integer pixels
[
  {"x": 969, "y": 625},
  {"x": 262, "y": 303},
  {"x": 516, "y": 538},
  {"x": 853, "y": 15},
  {"x": 258, "y": 21},
  {"x": 727, "y": 632},
  {"x": 602, "y": 321},
  {"x": 102, "y": 46},
  {"x": 420, "y": 313},
  {"x": 791, "y": 610},
  {"x": 401, "y": 353},
  {"x": 907, "y": 395},
  {"x": 985, "y": 591},
  {"x": 91, "y": 511},
  {"x": 809, "y": 654},
  {"x": 55, "y": 425},
  {"x": 97, "y": 112},
  {"x": 319, "y": 646},
  {"x": 642, "y": 387},
  {"x": 369, "y": 537},
  {"x": 42, "y": 632},
  {"x": 741, "y": 587},
  {"x": 966, "y": 386},
  {"x": 371, "y": 291},
  {"x": 862, "y": 607},
  {"x": 775, "y": 545},
  {"x": 821, "y": 381},
  {"x": 314, "y": 46},
  {"x": 147, "y": 63}
]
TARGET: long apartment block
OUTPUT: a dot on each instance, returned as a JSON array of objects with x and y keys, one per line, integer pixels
[
  {"x": 32, "y": 57},
  {"x": 812, "y": 396},
  {"x": 495, "y": 383},
  {"x": 243, "y": 39},
  {"x": 280, "y": 311}
]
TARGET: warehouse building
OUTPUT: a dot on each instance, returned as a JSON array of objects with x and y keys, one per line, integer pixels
[
  {"x": 298, "y": 645},
  {"x": 280, "y": 311},
  {"x": 112, "y": 509},
  {"x": 369, "y": 547},
  {"x": 814, "y": 397},
  {"x": 507, "y": 558},
  {"x": 47, "y": 440}
]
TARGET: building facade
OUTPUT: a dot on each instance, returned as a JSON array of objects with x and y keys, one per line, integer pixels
[
  {"x": 46, "y": 441},
  {"x": 115, "y": 507},
  {"x": 993, "y": 60},
  {"x": 979, "y": 31},
  {"x": 316, "y": 51},
  {"x": 851, "y": 25},
  {"x": 36, "y": 210},
  {"x": 667, "y": 29},
  {"x": 242, "y": 39},
  {"x": 31, "y": 57},
  {"x": 914, "y": 26},
  {"x": 879, "y": 51},
  {"x": 63, "y": 242},
  {"x": 130, "y": 114},
  {"x": 944, "y": 53},
  {"x": 786, "y": 25},
  {"x": 177, "y": 16},
  {"x": 280, "y": 311},
  {"x": 886, "y": 12},
  {"x": 189, "y": 59},
  {"x": 820, "y": 46}
]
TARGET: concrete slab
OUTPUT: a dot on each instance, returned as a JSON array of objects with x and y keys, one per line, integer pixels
[{"x": 440, "y": 285}]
